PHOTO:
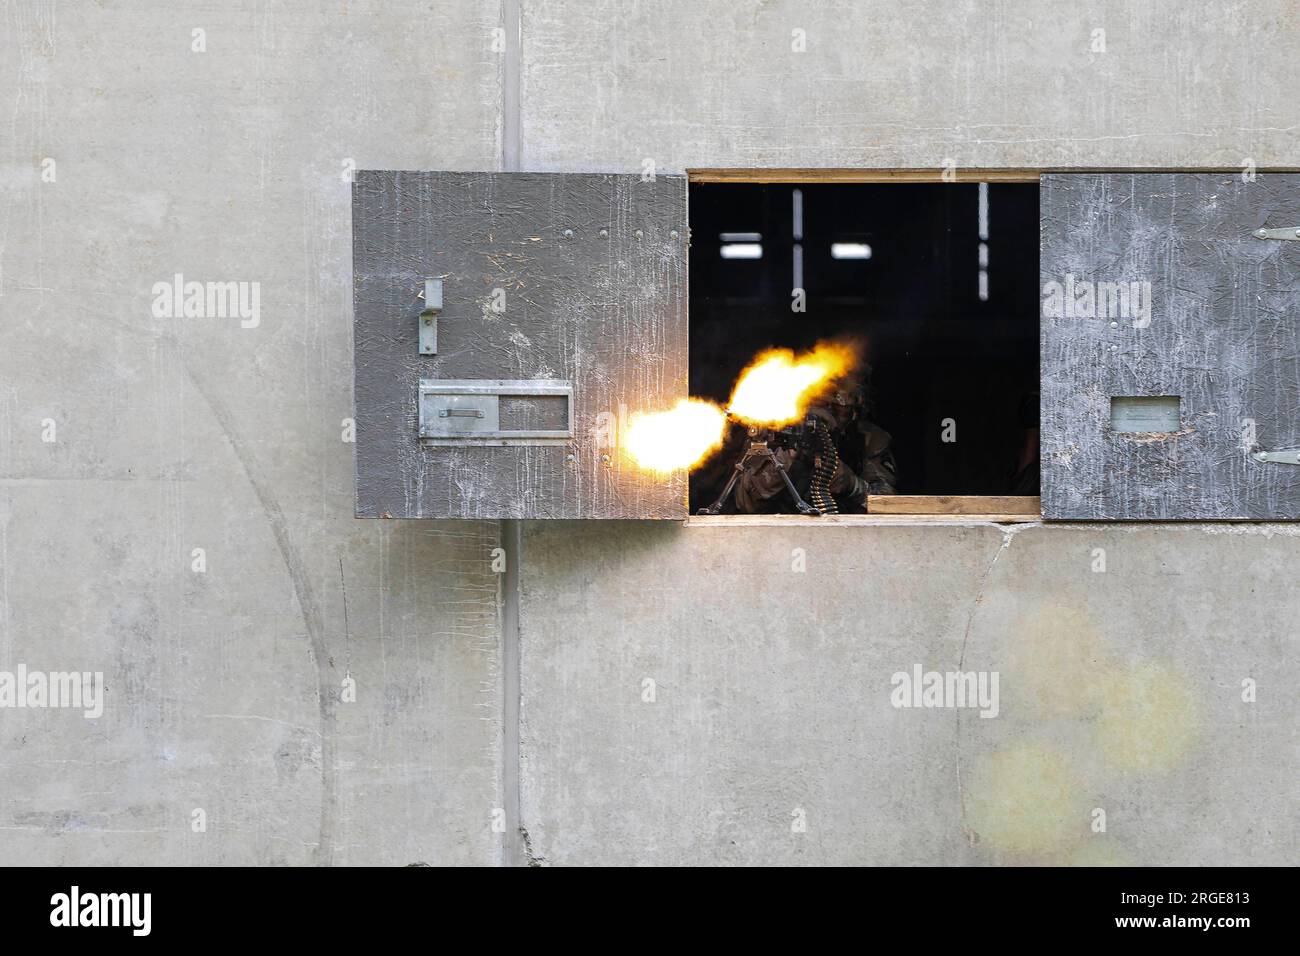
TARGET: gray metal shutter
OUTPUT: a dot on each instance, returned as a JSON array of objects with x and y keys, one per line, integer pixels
[
  {"x": 563, "y": 311},
  {"x": 1171, "y": 356}
]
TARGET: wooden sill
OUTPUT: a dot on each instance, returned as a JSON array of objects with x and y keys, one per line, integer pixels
[
  {"x": 900, "y": 510},
  {"x": 1025, "y": 506},
  {"x": 856, "y": 521}
]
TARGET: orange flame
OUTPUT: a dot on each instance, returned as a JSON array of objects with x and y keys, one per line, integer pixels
[
  {"x": 777, "y": 386},
  {"x": 678, "y": 438}
]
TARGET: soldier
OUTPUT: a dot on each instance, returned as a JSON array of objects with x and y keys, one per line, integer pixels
[{"x": 863, "y": 459}]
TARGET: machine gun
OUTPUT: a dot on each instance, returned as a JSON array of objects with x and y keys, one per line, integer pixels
[{"x": 811, "y": 438}]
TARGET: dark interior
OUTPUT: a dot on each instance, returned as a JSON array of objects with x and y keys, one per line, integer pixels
[{"x": 936, "y": 350}]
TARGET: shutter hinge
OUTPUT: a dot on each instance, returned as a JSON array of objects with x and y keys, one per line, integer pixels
[
  {"x": 1289, "y": 233},
  {"x": 1288, "y": 456}
]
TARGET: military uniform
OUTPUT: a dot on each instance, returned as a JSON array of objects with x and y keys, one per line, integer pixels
[{"x": 865, "y": 462}]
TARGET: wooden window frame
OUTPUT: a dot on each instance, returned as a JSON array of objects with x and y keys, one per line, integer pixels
[{"x": 998, "y": 508}]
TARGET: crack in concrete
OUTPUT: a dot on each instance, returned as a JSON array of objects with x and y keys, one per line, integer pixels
[
  {"x": 1008, "y": 532},
  {"x": 307, "y": 604},
  {"x": 532, "y": 859}
]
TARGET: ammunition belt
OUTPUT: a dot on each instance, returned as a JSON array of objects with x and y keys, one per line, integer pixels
[{"x": 826, "y": 459}]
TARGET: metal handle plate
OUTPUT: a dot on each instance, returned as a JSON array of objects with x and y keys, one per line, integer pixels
[
  {"x": 469, "y": 412},
  {"x": 429, "y": 316}
]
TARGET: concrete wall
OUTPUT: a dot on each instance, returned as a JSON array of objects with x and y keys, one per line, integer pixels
[
  {"x": 226, "y": 686},
  {"x": 907, "y": 83},
  {"x": 771, "y": 697}
]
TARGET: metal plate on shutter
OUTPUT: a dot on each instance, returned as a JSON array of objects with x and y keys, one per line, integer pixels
[{"x": 469, "y": 412}]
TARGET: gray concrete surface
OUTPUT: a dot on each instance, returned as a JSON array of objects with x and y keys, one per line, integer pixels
[
  {"x": 905, "y": 83},
  {"x": 1119, "y": 690},
  {"x": 225, "y": 688}
]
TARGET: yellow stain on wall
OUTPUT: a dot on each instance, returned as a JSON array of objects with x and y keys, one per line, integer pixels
[
  {"x": 1058, "y": 663},
  {"x": 1099, "y": 851},
  {"x": 1030, "y": 799},
  {"x": 1148, "y": 718},
  {"x": 1143, "y": 712},
  {"x": 1026, "y": 800}
]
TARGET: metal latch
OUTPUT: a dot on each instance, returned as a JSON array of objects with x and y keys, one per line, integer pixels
[
  {"x": 429, "y": 316},
  {"x": 1289, "y": 233},
  {"x": 1288, "y": 456}
]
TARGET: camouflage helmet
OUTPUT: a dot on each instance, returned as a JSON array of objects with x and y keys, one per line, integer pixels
[{"x": 849, "y": 389}]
